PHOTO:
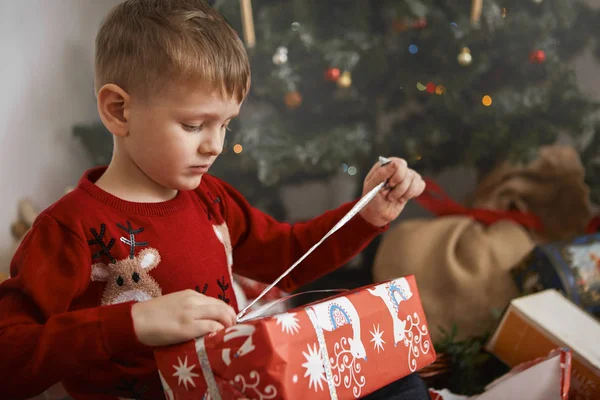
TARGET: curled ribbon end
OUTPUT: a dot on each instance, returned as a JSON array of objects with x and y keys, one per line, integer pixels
[{"x": 384, "y": 161}]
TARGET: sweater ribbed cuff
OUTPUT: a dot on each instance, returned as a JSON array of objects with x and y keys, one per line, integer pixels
[{"x": 118, "y": 332}]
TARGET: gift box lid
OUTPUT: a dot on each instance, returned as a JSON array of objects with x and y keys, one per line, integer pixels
[{"x": 560, "y": 318}]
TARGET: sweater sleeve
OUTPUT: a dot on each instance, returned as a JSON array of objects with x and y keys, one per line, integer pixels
[
  {"x": 42, "y": 341},
  {"x": 264, "y": 248}
]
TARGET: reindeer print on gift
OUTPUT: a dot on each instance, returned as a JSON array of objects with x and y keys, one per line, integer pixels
[
  {"x": 392, "y": 294},
  {"x": 339, "y": 312},
  {"x": 126, "y": 279}
]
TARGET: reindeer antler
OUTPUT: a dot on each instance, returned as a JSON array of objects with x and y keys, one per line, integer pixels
[
  {"x": 99, "y": 240},
  {"x": 131, "y": 241}
]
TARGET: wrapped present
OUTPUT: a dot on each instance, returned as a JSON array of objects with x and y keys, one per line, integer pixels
[
  {"x": 344, "y": 347},
  {"x": 535, "y": 324},
  {"x": 544, "y": 378},
  {"x": 572, "y": 267}
]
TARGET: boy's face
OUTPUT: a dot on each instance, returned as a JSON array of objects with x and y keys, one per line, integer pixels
[{"x": 175, "y": 136}]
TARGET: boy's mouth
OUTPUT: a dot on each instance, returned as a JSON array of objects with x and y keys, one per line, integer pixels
[{"x": 200, "y": 168}]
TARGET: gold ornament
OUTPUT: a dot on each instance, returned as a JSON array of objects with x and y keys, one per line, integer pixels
[
  {"x": 293, "y": 99},
  {"x": 345, "y": 80},
  {"x": 464, "y": 57}
]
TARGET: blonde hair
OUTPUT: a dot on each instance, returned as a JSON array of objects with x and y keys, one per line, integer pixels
[{"x": 144, "y": 44}]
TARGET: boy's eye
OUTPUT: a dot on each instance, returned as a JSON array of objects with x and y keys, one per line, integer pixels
[{"x": 192, "y": 128}]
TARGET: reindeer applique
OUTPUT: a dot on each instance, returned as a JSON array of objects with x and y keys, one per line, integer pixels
[{"x": 126, "y": 279}]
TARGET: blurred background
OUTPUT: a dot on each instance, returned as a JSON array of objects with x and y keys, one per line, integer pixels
[{"x": 495, "y": 101}]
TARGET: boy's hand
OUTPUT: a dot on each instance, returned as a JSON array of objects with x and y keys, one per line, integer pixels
[
  {"x": 179, "y": 317},
  {"x": 403, "y": 185}
]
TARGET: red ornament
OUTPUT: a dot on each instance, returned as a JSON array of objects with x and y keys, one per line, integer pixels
[
  {"x": 332, "y": 74},
  {"x": 537, "y": 56},
  {"x": 430, "y": 87},
  {"x": 420, "y": 23}
]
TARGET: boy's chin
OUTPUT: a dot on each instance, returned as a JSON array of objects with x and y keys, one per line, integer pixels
[{"x": 188, "y": 183}]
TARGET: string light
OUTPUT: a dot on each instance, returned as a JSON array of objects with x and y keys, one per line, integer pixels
[
  {"x": 486, "y": 100},
  {"x": 237, "y": 149},
  {"x": 352, "y": 171}
]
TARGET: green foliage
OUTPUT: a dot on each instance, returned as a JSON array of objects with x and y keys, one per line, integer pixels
[{"x": 472, "y": 368}]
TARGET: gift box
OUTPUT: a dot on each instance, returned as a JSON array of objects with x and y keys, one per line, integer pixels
[
  {"x": 535, "y": 324},
  {"x": 572, "y": 267},
  {"x": 343, "y": 347},
  {"x": 546, "y": 378}
]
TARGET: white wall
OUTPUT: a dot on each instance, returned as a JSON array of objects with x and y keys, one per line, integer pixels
[{"x": 46, "y": 65}]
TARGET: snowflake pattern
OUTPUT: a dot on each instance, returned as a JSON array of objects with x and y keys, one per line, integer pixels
[
  {"x": 289, "y": 323},
  {"x": 314, "y": 367},
  {"x": 184, "y": 373},
  {"x": 377, "y": 340}
]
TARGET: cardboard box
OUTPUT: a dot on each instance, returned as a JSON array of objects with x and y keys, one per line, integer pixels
[
  {"x": 344, "y": 347},
  {"x": 533, "y": 325}
]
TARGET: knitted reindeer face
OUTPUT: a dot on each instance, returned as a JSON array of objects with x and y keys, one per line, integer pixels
[{"x": 127, "y": 279}]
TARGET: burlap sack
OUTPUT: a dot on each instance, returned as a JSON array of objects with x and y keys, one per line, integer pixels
[
  {"x": 460, "y": 266},
  {"x": 551, "y": 187},
  {"x": 461, "y": 262}
]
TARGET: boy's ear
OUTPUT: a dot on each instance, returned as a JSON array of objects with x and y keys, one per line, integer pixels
[{"x": 114, "y": 106}]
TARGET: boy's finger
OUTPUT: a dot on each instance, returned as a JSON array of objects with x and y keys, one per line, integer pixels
[
  {"x": 203, "y": 299},
  {"x": 413, "y": 191},
  {"x": 381, "y": 164},
  {"x": 399, "y": 174},
  {"x": 206, "y": 326},
  {"x": 400, "y": 190},
  {"x": 216, "y": 312},
  {"x": 387, "y": 172}
]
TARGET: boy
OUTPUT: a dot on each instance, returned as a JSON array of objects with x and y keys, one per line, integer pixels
[{"x": 141, "y": 253}]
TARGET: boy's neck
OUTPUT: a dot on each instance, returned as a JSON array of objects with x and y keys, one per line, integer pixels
[{"x": 126, "y": 181}]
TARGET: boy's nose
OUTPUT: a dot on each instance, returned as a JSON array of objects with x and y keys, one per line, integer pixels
[{"x": 212, "y": 145}]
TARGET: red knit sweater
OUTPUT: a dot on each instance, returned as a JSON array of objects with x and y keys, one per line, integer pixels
[{"x": 66, "y": 311}]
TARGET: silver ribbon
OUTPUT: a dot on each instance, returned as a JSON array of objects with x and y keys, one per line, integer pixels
[
  {"x": 355, "y": 210},
  {"x": 207, "y": 371},
  {"x": 324, "y": 353}
]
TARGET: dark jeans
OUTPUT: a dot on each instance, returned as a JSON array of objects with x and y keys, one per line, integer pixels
[{"x": 411, "y": 387}]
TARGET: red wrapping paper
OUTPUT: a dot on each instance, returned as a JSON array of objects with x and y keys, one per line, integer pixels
[{"x": 344, "y": 347}]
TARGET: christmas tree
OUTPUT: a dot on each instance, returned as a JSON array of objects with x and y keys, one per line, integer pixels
[{"x": 337, "y": 83}]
